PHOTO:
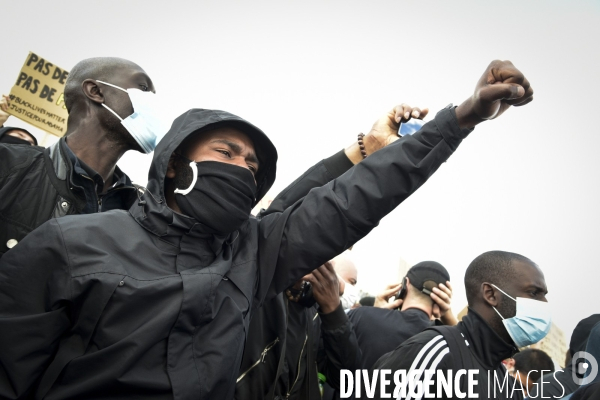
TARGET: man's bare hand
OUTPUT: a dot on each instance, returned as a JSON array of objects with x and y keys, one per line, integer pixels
[
  {"x": 442, "y": 299},
  {"x": 385, "y": 130},
  {"x": 4, "y": 106},
  {"x": 502, "y": 85},
  {"x": 325, "y": 286},
  {"x": 382, "y": 300}
]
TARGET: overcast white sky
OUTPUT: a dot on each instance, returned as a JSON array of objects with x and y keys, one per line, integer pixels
[{"x": 313, "y": 74}]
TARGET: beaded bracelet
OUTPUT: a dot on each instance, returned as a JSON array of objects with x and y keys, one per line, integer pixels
[{"x": 362, "y": 145}]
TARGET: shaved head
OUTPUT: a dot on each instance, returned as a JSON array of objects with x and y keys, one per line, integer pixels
[
  {"x": 497, "y": 267},
  {"x": 346, "y": 268},
  {"x": 102, "y": 68}
]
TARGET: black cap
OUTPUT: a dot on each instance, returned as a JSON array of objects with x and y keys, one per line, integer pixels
[{"x": 427, "y": 274}]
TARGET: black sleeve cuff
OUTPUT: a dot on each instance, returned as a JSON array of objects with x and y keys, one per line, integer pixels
[
  {"x": 334, "y": 319},
  {"x": 448, "y": 126},
  {"x": 337, "y": 164}
]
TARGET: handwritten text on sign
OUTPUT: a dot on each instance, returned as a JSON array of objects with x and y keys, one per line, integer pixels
[{"x": 38, "y": 95}]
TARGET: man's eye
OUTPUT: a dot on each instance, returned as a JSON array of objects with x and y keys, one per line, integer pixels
[
  {"x": 145, "y": 88},
  {"x": 225, "y": 152},
  {"x": 252, "y": 169}
]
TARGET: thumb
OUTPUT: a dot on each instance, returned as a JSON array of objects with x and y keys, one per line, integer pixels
[
  {"x": 501, "y": 91},
  {"x": 396, "y": 304}
]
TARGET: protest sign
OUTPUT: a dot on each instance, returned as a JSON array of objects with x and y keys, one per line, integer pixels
[{"x": 38, "y": 95}]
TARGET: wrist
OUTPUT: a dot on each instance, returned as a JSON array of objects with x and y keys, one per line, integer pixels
[
  {"x": 353, "y": 153},
  {"x": 466, "y": 116},
  {"x": 371, "y": 145},
  {"x": 329, "y": 307},
  {"x": 334, "y": 319},
  {"x": 448, "y": 318}
]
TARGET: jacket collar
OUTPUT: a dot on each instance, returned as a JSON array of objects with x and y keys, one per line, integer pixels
[
  {"x": 60, "y": 161},
  {"x": 489, "y": 348},
  {"x": 65, "y": 163}
]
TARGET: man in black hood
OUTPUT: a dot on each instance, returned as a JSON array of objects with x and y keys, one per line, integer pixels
[
  {"x": 155, "y": 303},
  {"x": 14, "y": 135},
  {"x": 567, "y": 380}
]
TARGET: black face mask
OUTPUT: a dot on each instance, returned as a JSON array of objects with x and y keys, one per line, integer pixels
[
  {"x": 220, "y": 195},
  {"x": 7, "y": 139}
]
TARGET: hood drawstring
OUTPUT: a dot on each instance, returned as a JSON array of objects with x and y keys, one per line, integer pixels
[{"x": 141, "y": 202}]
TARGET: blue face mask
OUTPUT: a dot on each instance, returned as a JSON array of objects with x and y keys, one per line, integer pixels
[
  {"x": 531, "y": 323},
  {"x": 145, "y": 124}
]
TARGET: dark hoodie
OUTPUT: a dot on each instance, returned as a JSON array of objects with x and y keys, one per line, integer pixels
[
  {"x": 148, "y": 304},
  {"x": 561, "y": 383}
]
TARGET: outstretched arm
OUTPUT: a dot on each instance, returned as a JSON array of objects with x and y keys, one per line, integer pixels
[
  {"x": 334, "y": 217},
  {"x": 383, "y": 133}
]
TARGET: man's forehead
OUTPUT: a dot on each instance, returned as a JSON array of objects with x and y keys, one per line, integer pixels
[
  {"x": 18, "y": 131},
  {"x": 225, "y": 132},
  {"x": 226, "y": 135},
  {"x": 126, "y": 73},
  {"x": 527, "y": 274}
]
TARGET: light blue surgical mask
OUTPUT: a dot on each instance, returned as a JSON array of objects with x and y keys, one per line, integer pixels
[
  {"x": 145, "y": 124},
  {"x": 531, "y": 323}
]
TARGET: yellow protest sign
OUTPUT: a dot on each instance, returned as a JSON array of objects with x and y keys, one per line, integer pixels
[{"x": 38, "y": 95}]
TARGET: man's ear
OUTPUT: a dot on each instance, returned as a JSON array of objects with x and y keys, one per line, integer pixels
[
  {"x": 92, "y": 91},
  {"x": 171, "y": 167},
  {"x": 489, "y": 294}
]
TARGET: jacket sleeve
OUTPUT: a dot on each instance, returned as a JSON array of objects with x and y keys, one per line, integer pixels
[
  {"x": 338, "y": 347},
  {"x": 331, "y": 218},
  {"x": 34, "y": 304},
  {"x": 316, "y": 176}
]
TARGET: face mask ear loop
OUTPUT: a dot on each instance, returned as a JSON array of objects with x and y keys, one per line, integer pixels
[
  {"x": 104, "y": 105},
  {"x": 110, "y": 84},
  {"x": 194, "y": 168},
  {"x": 498, "y": 313},
  {"x": 114, "y": 113},
  {"x": 504, "y": 293}
]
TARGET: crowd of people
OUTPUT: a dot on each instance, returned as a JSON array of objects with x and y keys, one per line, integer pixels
[{"x": 173, "y": 290}]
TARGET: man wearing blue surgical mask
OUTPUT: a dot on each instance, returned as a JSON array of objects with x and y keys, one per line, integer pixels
[
  {"x": 506, "y": 293},
  {"x": 79, "y": 174}
]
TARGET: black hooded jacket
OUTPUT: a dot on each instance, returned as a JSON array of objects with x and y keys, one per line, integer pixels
[
  {"x": 148, "y": 304},
  {"x": 267, "y": 348},
  {"x": 36, "y": 185},
  {"x": 561, "y": 383}
]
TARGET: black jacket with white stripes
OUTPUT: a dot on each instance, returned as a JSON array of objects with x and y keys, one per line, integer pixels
[{"x": 429, "y": 351}]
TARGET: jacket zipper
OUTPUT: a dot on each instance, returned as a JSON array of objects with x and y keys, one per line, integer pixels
[
  {"x": 287, "y": 396},
  {"x": 97, "y": 199},
  {"x": 261, "y": 359}
]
